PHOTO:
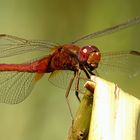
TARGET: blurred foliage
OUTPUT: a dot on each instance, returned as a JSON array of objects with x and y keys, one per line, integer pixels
[{"x": 44, "y": 114}]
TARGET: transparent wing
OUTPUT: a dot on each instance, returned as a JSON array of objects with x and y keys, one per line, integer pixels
[
  {"x": 127, "y": 62},
  {"x": 11, "y": 45},
  {"x": 15, "y": 86},
  {"x": 110, "y": 30},
  {"x": 61, "y": 79}
]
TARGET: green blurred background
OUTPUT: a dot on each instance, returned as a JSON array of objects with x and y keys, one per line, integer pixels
[{"x": 44, "y": 115}]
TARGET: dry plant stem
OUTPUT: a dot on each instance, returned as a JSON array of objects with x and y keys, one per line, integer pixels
[
  {"x": 115, "y": 113},
  {"x": 80, "y": 127}
]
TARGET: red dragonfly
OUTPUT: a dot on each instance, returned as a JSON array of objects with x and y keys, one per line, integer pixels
[{"x": 17, "y": 80}]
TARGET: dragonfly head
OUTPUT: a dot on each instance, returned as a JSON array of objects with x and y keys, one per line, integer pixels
[{"x": 89, "y": 55}]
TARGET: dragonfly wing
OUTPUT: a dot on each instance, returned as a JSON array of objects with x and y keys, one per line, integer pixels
[
  {"x": 110, "y": 30},
  {"x": 11, "y": 45},
  {"x": 127, "y": 62},
  {"x": 15, "y": 86},
  {"x": 61, "y": 79}
]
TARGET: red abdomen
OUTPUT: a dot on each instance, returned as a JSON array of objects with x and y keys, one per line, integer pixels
[{"x": 39, "y": 66}]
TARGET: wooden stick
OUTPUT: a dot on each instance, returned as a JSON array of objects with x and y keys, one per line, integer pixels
[{"x": 80, "y": 126}]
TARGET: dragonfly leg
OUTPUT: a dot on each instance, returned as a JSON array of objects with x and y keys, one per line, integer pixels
[
  {"x": 77, "y": 85},
  {"x": 67, "y": 94}
]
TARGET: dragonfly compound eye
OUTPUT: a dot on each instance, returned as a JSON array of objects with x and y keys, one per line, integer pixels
[
  {"x": 85, "y": 52},
  {"x": 94, "y": 59}
]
